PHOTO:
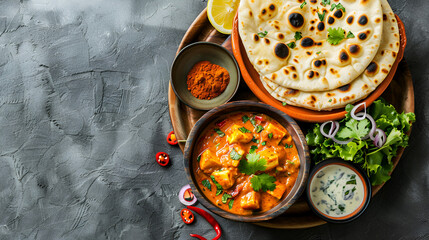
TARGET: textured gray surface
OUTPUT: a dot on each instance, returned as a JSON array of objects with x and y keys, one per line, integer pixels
[{"x": 83, "y": 110}]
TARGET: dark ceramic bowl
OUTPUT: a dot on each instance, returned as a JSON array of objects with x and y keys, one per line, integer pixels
[
  {"x": 197, "y": 52},
  {"x": 291, "y": 126},
  {"x": 363, "y": 177}
]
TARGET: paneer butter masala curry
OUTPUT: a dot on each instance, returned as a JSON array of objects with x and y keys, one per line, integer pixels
[{"x": 246, "y": 162}]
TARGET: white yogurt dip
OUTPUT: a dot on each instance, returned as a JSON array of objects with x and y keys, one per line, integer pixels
[{"x": 337, "y": 191}]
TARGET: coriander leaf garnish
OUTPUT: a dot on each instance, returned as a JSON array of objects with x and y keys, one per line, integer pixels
[
  {"x": 231, "y": 202},
  {"x": 319, "y": 52},
  {"x": 234, "y": 155},
  {"x": 326, "y": 2},
  {"x": 291, "y": 45},
  {"x": 298, "y": 36},
  {"x": 198, "y": 158},
  {"x": 219, "y": 132},
  {"x": 355, "y": 129},
  {"x": 270, "y": 135},
  {"x": 284, "y": 103},
  {"x": 245, "y": 118},
  {"x": 350, "y": 35},
  {"x": 253, "y": 121},
  {"x": 259, "y": 128},
  {"x": 303, "y": 4},
  {"x": 263, "y": 182},
  {"x": 244, "y": 130},
  {"x": 218, "y": 186},
  {"x": 340, "y": 6},
  {"x": 321, "y": 16},
  {"x": 335, "y": 35},
  {"x": 255, "y": 140},
  {"x": 225, "y": 197},
  {"x": 253, "y": 164},
  {"x": 263, "y": 143},
  {"x": 333, "y": 6},
  {"x": 262, "y": 34},
  {"x": 206, "y": 183},
  {"x": 330, "y": 100},
  {"x": 253, "y": 149}
]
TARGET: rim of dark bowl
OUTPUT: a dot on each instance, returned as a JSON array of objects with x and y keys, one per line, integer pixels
[
  {"x": 297, "y": 136},
  {"x": 237, "y": 68},
  {"x": 351, "y": 165}
]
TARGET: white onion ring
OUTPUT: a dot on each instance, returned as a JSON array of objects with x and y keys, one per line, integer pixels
[
  {"x": 354, "y": 116},
  {"x": 373, "y": 126},
  {"x": 342, "y": 142},
  {"x": 182, "y": 199}
]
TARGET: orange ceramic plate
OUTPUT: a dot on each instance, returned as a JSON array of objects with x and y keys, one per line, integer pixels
[{"x": 251, "y": 77}]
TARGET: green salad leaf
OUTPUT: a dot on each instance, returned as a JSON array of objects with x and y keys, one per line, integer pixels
[
  {"x": 376, "y": 161},
  {"x": 263, "y": 182}
]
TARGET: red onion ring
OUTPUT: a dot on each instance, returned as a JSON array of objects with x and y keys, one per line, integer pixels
[
  {"x": 380, "y": 138},
  {"x": 354, "y": 116},
  {"x": 183, "y": 200}
]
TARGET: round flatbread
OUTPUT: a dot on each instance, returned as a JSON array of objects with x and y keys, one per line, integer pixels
[
  {"x": 373, "y": 76},
  {"x": 269, "y": 29}
]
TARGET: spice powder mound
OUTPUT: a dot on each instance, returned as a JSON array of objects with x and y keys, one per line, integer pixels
[{"x": 207, "y": 80}]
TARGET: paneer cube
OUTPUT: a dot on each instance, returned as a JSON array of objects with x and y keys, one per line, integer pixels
[
  {"x": 271, "y": 157},
  {"x": 209, "y": 160},
  {"x": 237, "y": 136},
  {"x": 278, "y": 132},
  {"x": 279, "y": 191},
  {"x": 224, "y": 177},
  {"x": 251, "y": 200}
]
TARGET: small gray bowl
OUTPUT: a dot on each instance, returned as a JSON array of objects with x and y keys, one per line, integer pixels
[{"x": 203, "y": 51}]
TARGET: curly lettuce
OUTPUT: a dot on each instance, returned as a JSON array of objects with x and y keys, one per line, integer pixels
[{"x": 377, "y": 162}]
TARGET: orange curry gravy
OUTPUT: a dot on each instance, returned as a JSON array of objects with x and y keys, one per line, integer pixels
[{"x": 213, "y": 160}]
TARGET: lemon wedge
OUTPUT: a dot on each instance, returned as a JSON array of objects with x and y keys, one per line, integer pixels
[{"x": 221, "y": 14}]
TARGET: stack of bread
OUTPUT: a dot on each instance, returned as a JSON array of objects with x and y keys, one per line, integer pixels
[{"x": 319, "y": 54}]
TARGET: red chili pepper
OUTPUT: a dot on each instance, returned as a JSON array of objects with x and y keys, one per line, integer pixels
[
  {"x": 209, "y": 219},
  {"x": 187, "y": 216},
  {"x": 259, "y": 118},
  {"x": 171, "y": 138},
  {"x": 221, "y": 124},
  {"x": 162, "y": 158}
]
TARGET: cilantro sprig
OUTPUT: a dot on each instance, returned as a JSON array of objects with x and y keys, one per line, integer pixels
[
  {"x": 263, "y": 182},
  {"x": 262, "y": 34},
  {"x": 335, "y": 35},
  {"x": 253, "y": 164}
]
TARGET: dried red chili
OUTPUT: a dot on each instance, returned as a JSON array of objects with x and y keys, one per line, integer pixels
[
  {"x": 221, "y": 124},
  {"x": 259, "y": 118},
  {"x": 209, "y": 219},
  {"x": 162, "y": 158},
  {"x": 187, "y": 216},
  {"x": 171, "y": 138}
]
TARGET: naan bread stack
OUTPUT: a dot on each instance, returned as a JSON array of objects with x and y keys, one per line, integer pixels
[{"x": 319, "y": 54}]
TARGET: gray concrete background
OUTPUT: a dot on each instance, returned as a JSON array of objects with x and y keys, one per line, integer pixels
[{"x": 83, "y": 111}]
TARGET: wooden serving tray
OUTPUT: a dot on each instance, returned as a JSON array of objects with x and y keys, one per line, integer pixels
[{"x": 400, "y": 93}]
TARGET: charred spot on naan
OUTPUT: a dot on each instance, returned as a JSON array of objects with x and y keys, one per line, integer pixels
[
  {"x": 338, "y": 14},
  {"x": 331, "y": 20},
  {"x": 364, "y": 35},
  {"x": 350, "y": 20},
  {"x": 281, "y": 51},
  {"x": 296, "y": 20},
  {"x": 318, "y": 63},
  {"x": 290, "y": 93},
  {"x": 344, "y": 57},
  {"x": 372, "y": 69},
  {"x": 256, "y": 37},
  {"x": 307, "y": 42},
  {"x": 363, "y": 20},
  {"x": 310, "y": 74},
  {"x": 321, "y": 26},
  {"x": 354, "y": 50},
  {"x": 267, "y": 41},
  {"x": 344, "y": 88},
  {"x": 281, "y": 36}
]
